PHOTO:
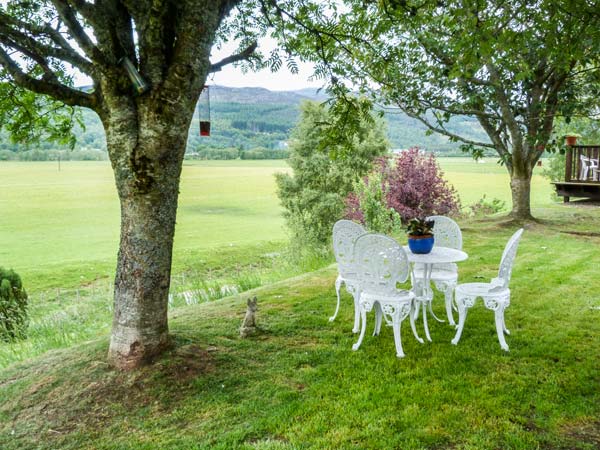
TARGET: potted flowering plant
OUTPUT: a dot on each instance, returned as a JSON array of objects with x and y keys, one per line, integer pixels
[{"x": 420, "y": 235}]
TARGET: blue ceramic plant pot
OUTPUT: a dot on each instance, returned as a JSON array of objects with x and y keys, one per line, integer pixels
[{"x": 420, "y": 244}]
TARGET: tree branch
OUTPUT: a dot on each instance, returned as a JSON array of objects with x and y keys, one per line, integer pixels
[
  {"x": 508, "y": 116},
  {"x": 444, "y": 131},
  {"x": 31, "y": 39},
  {"x": 244, "y": 55},
  {"x": 67, "y": 95},
  {"x": 68, "y": 15}
]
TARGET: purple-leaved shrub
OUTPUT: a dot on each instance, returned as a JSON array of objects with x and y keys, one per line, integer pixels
[{"x": 414, "y": 187}]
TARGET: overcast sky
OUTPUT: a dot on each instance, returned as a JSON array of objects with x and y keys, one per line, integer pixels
[{"x": 282, "y": 80}]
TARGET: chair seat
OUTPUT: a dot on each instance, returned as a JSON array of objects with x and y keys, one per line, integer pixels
[
  {"x": 481, "y": 290},
  {"x": 401, "y": 296},
  {"x": 437, "y": 274}
]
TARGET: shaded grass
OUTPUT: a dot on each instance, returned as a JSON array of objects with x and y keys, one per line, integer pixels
[
  {"x": 298, "y": 385},
  {"x": 63, "y": 317}
]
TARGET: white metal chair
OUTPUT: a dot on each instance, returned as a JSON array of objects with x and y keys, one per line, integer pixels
[
  {"x": 595, "y": 170},
  {"x": 587, "y": 164},
  {"x": 495, "y": 295},
  {"x": 345, "y": 233},
  {"x": 444, "y": 276},
  {"x": 382, "y": 265}
]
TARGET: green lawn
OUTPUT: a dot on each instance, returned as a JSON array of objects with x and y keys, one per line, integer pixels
[{"x": 298, "y": 385}]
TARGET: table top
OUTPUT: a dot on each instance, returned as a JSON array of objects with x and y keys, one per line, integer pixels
[{"x": 437, "y": 255}]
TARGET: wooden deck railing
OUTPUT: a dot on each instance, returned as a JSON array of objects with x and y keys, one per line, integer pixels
[{"x": 576, "y": 157}]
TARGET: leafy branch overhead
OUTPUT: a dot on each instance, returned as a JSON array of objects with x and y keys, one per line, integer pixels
[
  {"x": 46, "y": 45},
  {"x": 513, "y": 66}
]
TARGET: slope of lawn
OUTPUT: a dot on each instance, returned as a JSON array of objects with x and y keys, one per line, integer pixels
[{"x": 297, "y": 384}]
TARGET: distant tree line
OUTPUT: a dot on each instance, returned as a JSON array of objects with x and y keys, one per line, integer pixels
[
  {"x": 210, "y": 153},
  {"x": 53, "y": 155},
  {"x": 259, "y": 127}
]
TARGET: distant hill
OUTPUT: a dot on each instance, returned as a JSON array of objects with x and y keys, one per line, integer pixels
[
  {"x": 253, "y": 95},
  {"x": 258, "y": 117},
  {"x": 246, "y": 118}
]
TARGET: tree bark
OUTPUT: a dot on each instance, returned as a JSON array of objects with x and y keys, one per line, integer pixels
[
  {"x": 520, "y": 186},
  {"x": 146, "y": 155}
]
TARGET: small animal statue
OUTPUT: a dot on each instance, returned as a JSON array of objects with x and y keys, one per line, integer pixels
[{"x": 249, "y": 324}]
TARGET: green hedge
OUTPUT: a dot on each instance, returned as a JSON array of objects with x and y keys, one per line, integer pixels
[{"x": 13, "y": 306}]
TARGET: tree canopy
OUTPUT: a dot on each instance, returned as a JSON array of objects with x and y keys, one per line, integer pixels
[{"x": 514, "y": 66}]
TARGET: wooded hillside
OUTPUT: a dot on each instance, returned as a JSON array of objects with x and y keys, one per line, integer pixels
[{"x": 248, "y": 118}]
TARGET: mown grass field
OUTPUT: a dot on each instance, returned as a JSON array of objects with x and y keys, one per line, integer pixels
[
  {"x": 60, "y": 229},
  {"x": 298, "y": 385}
]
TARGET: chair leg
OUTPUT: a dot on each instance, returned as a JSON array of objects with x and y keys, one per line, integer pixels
[
  {"x": 412, "y": 314},
  {"x": 397, "y": 338},
  {"x": 363, "y": 327},
  {"x": 462, "y": 316},
  {"x": 425, "y": 326},
  {"x": 448, "y": 294},
  {"x": 433, "y": 314},
  {"x": 378, "y": 319},
  {"x": 338, "y": 285},
  {"x": 499, "y": 315},
  {"x": 356, "y": 327},
  {"x": 504, "y": 325}
]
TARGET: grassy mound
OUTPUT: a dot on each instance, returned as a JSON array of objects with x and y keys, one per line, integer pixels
[{"x": 297, "y": 384}]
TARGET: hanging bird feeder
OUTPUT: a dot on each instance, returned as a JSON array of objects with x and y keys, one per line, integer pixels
[
  {"x": 138, "y": 82},
  {"x": 204, "y": 112}
]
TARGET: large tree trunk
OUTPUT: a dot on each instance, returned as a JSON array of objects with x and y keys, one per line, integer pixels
[
  {"x": 146, "y": 153},
  {"x": 520, "y": 186}
]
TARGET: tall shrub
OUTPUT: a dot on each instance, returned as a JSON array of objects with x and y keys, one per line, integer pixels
[
  {"x": 13, "y": 306},
  {"x": 313, "y": 194},
  {"x": 415, "y": 187},
  {"x": 367, "y": 204}
]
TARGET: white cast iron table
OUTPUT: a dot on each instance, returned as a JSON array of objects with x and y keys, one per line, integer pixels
[{"x": 438, "y": 255}]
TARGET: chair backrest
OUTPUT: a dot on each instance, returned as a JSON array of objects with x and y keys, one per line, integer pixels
[
  {"x": 345, "y": 233},
  {"x": 446, "y": 232},
  {"x": 508, "y": 258},
  {"x": 381, "y": 264}
]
